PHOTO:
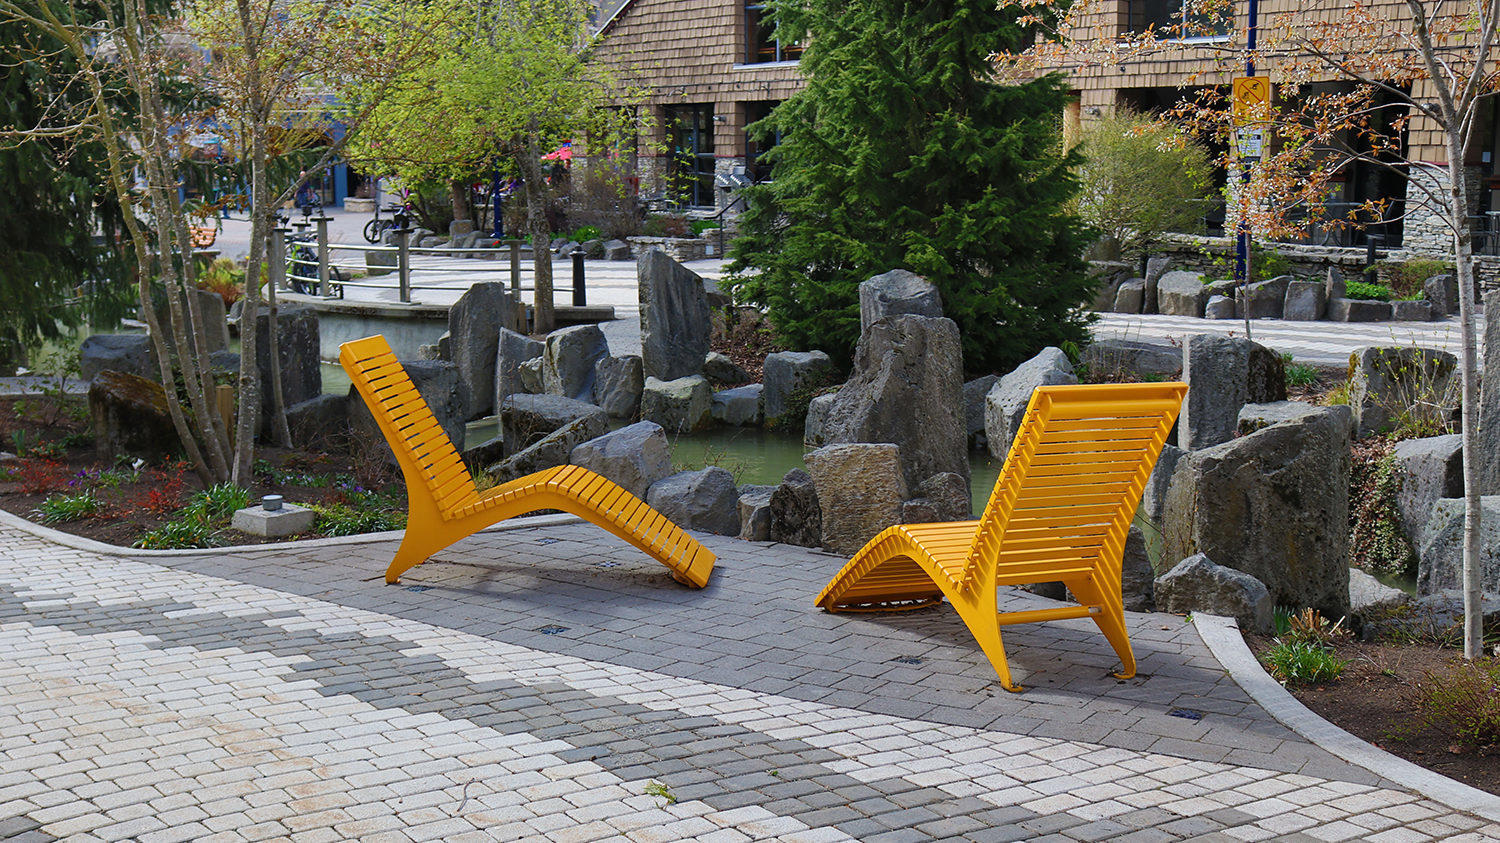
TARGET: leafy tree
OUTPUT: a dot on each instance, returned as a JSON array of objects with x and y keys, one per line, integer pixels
[
  {"x": 904, "y": 152},
  {"x": 1141, "y": 178}
]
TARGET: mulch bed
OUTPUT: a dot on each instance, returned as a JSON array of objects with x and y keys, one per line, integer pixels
[{"x": 1376, "y": 699}]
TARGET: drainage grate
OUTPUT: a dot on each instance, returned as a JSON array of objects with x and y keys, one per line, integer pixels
[
  {"x": 547, "y": 541},
  {"x": 609, "y": 564},
  {"x": 552, "y": 630},
  {"x": 418, "y": 588},
  {"x": 907, "y": 660},
  {"x": 1186, "y": 714}
]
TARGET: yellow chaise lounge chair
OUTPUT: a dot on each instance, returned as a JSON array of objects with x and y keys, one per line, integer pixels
[
  {"x": 1060, "y": 511},
  {"x": 443, "y": 505}
]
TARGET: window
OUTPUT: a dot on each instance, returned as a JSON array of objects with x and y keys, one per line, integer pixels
[
  {"x": 764, "y": 45},
  {"x": 757, "y": 170},
  {"x": 690, "y": 134},
  {"x": 1182, "y": 19}
]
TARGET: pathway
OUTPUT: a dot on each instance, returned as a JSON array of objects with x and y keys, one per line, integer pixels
[{"x": 550, "y": 683}]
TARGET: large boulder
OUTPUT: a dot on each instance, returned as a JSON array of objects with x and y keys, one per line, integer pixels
[
  {"x": 906, "y": 387},
  {"x": 681, "y": 406},
  {"x": 529, "y": 376},
  {"x": 1442, "y": 292},
  {"x": 1220, "y": 307},
  {"x": 1154, "y": 497},
  {"x": 1253, "y": 417},
  {"x": 1130, "y": 296},
  {"x": 1005, "y": 405},
  {"x": 297, "y": 356},
  {"x": 1411, "y": 311},
  {"x": 719, "y": 369},
  {"x": 569, "y": 358},
  {"x": 634, "y": 456},
  {"x": 815, "y": 428},
  {"x": 1216, "y": 369},
  {"x": 1264, "y": 299},
  {"x": 526, "y": 419},
  {"x": 755, "y": 512},
  {"x": 1274, "y": 504},
  {"x": 1181, "y": 294},
  {"x": 1141, "y": 358},
  {"x": 130, "y": 354},
  {"x": 1426, "y": 470},
  {"x": 1156, "y": 267},
  {"x": 1137, "y": 578},
  {"x": 1489, "y": 403},
  {"x": 512, "y": 351},
  {"x": 895, "y": 293},
  {"x": 796, "y": 515},
  {"x": 214, "y": 329},
  {"x": 705, "y": 500},
  {"x": 1389, "y": 385},
  {"x": 674, "y": 317},
  {"x": 1440, "y": 556},
  {"x": 788, "y": 375},
  {"x": 738, "y": 407},
  {"x": 1196, "y": 584},
  {"x": 438, "y": 384},
  {"x": 618, "y": 383},
  {"x": 319, "y": 423},
  {"x": 860, "y": 490},
  {"x": 474, "y": 325},
  {"x": 550, "y": 451},
  {"x": 941, "y": 497},
  {"x": 130, "y": 418},
  {"x": 1358, "y": 310},
  {"x": 1304, "y": 301},
  {"x": 1373, "y": 603},
  {"x": 1265, "y": 376},
  {"x": 975, "y": 392}
]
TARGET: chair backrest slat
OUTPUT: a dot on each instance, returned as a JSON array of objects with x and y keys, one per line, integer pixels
[
  {"x": 1074, "y": 475},
  {"x": 423, "y": 449}
]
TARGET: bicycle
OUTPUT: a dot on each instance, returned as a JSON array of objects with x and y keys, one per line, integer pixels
[
  {"x": 302, "y": 268},
  {"x": 377, "y": 227}
]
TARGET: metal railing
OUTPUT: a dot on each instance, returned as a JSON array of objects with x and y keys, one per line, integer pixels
[{"x": 329, "y": 278}]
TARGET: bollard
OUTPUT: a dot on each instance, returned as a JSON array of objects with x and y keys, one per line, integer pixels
[
  {"x": 515, "y": 269},
  {"x": 323, "y": 256},
  {"x": 1372, "y": 242},
  {"x": 580, "y": 296},
  {"x": 403, "y": 263},
  {"x": 277, "y": 269}
]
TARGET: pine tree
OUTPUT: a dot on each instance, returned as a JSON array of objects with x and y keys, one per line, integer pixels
[{"x": 903, "y": 152}]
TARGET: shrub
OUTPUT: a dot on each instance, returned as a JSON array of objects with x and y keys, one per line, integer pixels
[
  {"x": 224, "y": 277},
  {"x": 342, "y": 519},
  {"x": 40, "y": 476},
  {"x": 1142, "y": 178},
  {"x": 178, "y": 534},
  {"x": 1265, "y": 262},
  {"x": 1376, "y": 542},
  {"x": 1294, "y": 662},
  {"x": 700, "y": 226},
  {"x": 1464, "y": 703},
  {"x": 165, "y": 493},
  {"x": 584, "y": 233},
  {"x": 216, "y": 503},
  {"x": 1366, "y": 290},
  {"x": 60, "y": 509},
  {"x": 1299, "y": 374},
  {"x": 1405, "y": 278}
]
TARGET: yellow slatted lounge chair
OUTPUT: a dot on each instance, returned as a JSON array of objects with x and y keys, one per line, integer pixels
[
  {"x": 443, "y": 505},
  {"x": 1060, "y": 511}
]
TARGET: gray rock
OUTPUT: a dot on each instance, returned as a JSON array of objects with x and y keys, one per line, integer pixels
[
  {"x": 527, "y": 419},
  {"x": 681, "y": 406},
  {"x": 1154, "y": 497},
  {"x": 529, "y": 374},
  {"x": 1411, "y": 311},
  {"x": 755, "y": 512},
  {"x": 297, "y": 353},
  {"x": 431, "y": 242},
  {"x": 593, "y": 248},
  {"x": 550, "y": 451},
  {"x": 719, "y": 369},
  {"x": 1156, "y": 267},
  {"x": 618, "y": 384},
  {"x": 1220, "y": 307},
  {"x": 739, "y": 406},
  {"x": 1368, "y": 595},
  {"x": 438, "y": 384},
  {"x": 1433, "y": 617},
  {"x": 1274, "y": 504},
  {"x": 1108, "y": 276},
  {"x": 704, "y": 500},
  {"x": 1181, "y": 294},
  {"x": 1489, "y": 403},
  {"x": 567, "y": 249},
  {"x": 1387, "y": 384},
  {"x": 225, "y": 363},
  {"x": 1130, "y": 296},
  {"x": 815, "y": 427},
  {"x": 459, "y": 228},
  {"x": 1442, "y": 292},
  {"x": 380, "y": 262},
  {"x": 1226, "y": 287},
  {"x": 1358, "y": 310},
  {"x": 215, "y": 327},
  {"x": 1111, "y": 357},
  {"x": 1265, "y": 378},
  {"x": 1440, "y": 556},
  {"x": 906, "y": 387},
  {"x": 674, "y": 317},
  {"x": 1266, "y": 298},
  {"x": 1305, "y": 301},
  {"x": 474, "y": 325},
  {"x": 974, "y": 395},
  {"x": 894, "y": 293},
  {"x": 635, "y": 456},
  {"x": 1426, "y": 469},
  {"x": 796, "y": 516},
  {"x": 1334, "y": 286},
  {"x": 130, "y": 354},
  {"x": 1253, "y": 417},
  {"x": 787, "y": 373},
  {"x": 1137, "y": 579},
  {"x": 130, "y": 417},
  {"x": 949, "y": 497},
  {"x": 512, "y": 351},
  {"x": 1216, "y": 369},
  {"x": 320, "y": 423},
  {"x": 1005, "y": 405},
  {"x": 1196, "y": 584},
  {"x": 860, "y": 489},
  {"x": 429, "y": 351},
  {"x": 485, "y": 454},
  {"x": 569, "y": 358},
  {"x": 616, "y": 250}
]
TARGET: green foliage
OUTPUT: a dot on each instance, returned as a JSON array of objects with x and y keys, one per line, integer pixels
[
  {"x": 1366, "y": 290},
  {"x": 1142, "y": 178},
  {"x": 1405, "y": 278},
  {"x": 1302, "y": 662},
  {"x": 585, "y": 233},
  {"x": 179, "y": 534},
  {"x": 655, "y": 788},
  {"x": 902, "y": 152},
  {"x": 1265, "y": 263},
  {"x": 344, "y": 519},
  {"x": 700, "y": 226},
  {"x": 216, "y": 503},
  {"x": 60, "y": 509},
  {"x": 1298, "y": 374},
  {"x": 1376, "y": 540},
  {"x": 1464, "y": 703},
  {"x": 666, "y": 225}
]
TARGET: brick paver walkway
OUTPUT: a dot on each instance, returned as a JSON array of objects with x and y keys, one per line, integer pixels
[{"x": 551, "y": 683}]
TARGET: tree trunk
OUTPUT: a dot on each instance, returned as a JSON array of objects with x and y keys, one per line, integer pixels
[
  {"x": 458, "y": 192},
  {"x": 543, "y": 320},
  {"x": 1458, "y": 204}
]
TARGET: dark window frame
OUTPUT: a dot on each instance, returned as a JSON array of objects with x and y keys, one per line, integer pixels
[{"x": 762, "y": 45}]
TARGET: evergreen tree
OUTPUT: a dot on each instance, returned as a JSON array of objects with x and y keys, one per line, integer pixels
[{"x": 904, "y": 152}]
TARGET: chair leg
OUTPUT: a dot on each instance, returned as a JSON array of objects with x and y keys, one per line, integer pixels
[
  {"x": 1112, "y": 624},
  {"x": 413, "y": 551},
  {"x": 983, "y": 622}
]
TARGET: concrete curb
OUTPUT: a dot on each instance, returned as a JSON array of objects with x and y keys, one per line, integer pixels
[
  {"x": 1224, "y": 640},
  {"x": 10, "y": 519}
]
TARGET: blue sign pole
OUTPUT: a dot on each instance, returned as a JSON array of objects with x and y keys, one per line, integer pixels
[
  {"x": 498, "y": 228},
  {"x": 1242, "y": 238}
]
